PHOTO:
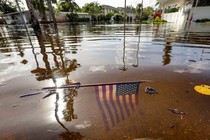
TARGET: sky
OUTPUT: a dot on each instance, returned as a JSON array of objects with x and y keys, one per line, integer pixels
[{"x": 118, "y": 3}]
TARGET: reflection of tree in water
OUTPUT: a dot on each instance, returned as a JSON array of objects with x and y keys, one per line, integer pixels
[
  {"x": 68, "y": 115},
  {"x": 74, "y": 31},
  {"x": 124, "y": 67},
  {"x": 156, "y": 29},
  {"x": 138, "y": 31},
  {"x": 10, "y": 35},
  {"x": 68, "y": 112},
  {"x": 167, "y": 52},
  {"x": 62, "y": 69}
]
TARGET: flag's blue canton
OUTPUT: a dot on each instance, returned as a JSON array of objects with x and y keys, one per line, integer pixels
[{"x": 127, "y": 88}]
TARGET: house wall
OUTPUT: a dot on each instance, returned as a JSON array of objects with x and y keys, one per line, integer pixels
[
  {"x": 16, "y": 18},
  {"x": 106, "y": 11},
  {"x": 200, "y": 12},
  {"x": 178, "y": 17},
  {"x": 61, "y": 16}
]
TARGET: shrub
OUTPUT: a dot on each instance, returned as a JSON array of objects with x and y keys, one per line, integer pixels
[
  {"x": 202, "y": 20},
  {"x": 118, "y": 17},
  {"x": 73, "y": 17}
]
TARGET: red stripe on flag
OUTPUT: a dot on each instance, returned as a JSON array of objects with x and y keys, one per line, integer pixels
[
  {"x": 107, "y": 105},
  {"x": 101, "y": 108},
  {"x": 113, "y": 102}
]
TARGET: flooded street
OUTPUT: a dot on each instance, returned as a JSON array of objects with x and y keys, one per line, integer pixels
[{"x": 175, "y": 59}]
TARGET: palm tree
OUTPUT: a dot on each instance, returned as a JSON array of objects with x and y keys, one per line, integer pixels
[{"x": 34, "y": 20}]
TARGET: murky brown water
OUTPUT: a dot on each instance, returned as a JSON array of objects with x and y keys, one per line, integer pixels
[{"x": 99, "y": 53}]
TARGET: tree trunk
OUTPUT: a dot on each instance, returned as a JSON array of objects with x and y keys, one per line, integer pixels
[
  {"x": 34, "y": 20},
  {"x": 51, "y": 13},
  {"x": 42, "y": 10}
]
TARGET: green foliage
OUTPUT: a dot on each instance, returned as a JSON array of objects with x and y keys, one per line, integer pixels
[
  {"x": 64, "y": 7},
  {"x": 130, "y": 9},
  {"x": 38, "y": 5},
  {"x": 67, "y": 7},
  {"x": 101, "y": 17},
  {"x": 203, "y": 20},
  {"x": 109, "y": 16},
  {"x": 7, "y": 7},
  {"x": 171, "y": 9},
  {"x": 93, "y": 8},
  {"x": 146, "y": 12},
  {"x": 118, "y": 17},
  {"x": 83, "y": 19},
  {"x": 138, "y": 8},
  {"x": 73, "y": 17}
]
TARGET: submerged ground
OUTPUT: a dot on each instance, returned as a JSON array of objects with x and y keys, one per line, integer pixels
[{"x": 175, "y": 59}]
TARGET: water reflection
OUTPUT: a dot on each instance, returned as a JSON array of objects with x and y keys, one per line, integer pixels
[
  {"x": 63, "y": 66},
  {"x": 167, "y": 53},
  {"x": 138, "y": 32},
  {"x": 123, "y": 57},
  {"x": 68, "y": 113},
  {"x": 90, "y": 43},
  {"x": 99, "y": 51}
]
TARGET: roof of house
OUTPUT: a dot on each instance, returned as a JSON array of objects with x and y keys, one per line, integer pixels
[
  {"x": 15, "y": 13},
  {"x": 107, "y": 7}
]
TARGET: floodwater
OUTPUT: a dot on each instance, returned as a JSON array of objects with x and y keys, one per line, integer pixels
[{"x": 175, "y": 59}]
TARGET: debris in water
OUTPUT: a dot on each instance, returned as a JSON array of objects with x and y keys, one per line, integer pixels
[
  {"x": 24, "y": 61},
  {"x": 172, "y": 126},
  {"x": 15, "y": 105},
  {"x": 192, "y": 60},
  {"x": 176, "y": 111},
  {"x": 150, "y": 90},
  {"x": 203, "y": 89},
  {"x": 2, "y": 84}
]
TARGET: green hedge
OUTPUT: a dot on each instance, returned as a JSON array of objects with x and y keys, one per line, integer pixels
[{"x": 202, "y": 20}]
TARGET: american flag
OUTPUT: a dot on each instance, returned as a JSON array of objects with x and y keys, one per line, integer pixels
[{"x": 116, "y": 102}]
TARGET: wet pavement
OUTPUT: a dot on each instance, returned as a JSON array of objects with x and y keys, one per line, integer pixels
[{"x": 176, "y": 59}]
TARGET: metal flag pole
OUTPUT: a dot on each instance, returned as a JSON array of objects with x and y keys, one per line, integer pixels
[{"x": 77, "y": 85}]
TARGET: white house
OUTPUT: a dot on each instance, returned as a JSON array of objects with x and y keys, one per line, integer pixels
[
  {"x": 108, "y": 9},
  {"x": 191, "y": 10},
  {"x": 16, "y": 17},
  {"x": 130, "y": 14}
]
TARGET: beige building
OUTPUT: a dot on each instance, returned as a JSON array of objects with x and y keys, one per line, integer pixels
[
  {"x": 130, "y": 14},
  {"x": 108, "y": 9}
]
